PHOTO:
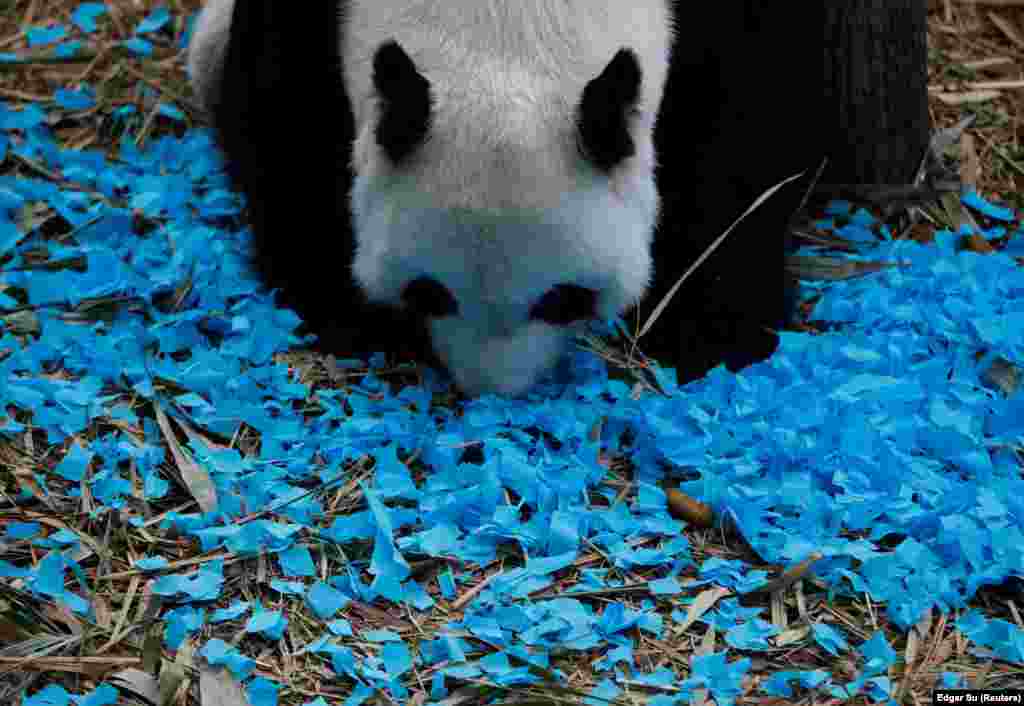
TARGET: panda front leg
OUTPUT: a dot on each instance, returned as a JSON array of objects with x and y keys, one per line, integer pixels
[
  {"x": 728, "y": 311},
  {"x": 759, "y": 121}
]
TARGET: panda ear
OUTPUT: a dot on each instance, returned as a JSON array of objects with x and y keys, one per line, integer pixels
[
  {"x": 603, "y": 130},
  {"x": 405, "y": 102}
]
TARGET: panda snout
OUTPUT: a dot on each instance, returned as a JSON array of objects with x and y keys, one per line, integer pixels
[
  {"x": 564, "y": 304},
  {"x": 506, "y": 365}
]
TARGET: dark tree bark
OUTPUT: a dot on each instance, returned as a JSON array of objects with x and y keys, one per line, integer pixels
[{"x": 876, "y": 71}]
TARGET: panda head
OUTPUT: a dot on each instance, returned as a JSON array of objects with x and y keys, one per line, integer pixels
[{"x": 507, "y": 202}]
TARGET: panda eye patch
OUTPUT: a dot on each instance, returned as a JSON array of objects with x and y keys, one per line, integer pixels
[
  {"x": 564, "y": 304},
  {"x": 427, "y": 297}
]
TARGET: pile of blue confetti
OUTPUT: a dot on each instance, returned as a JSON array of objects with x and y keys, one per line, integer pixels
[{"x": 881, "y": 445}]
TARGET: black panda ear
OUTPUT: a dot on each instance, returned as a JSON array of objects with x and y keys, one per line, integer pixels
[
  {"x": 602, "y": 114},
  {"x": 405, "y": 101}
]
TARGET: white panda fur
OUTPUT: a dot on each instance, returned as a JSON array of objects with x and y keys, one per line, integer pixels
[
  {"x": 497, "y": 202},
  {"x": 206, "y": 51}
]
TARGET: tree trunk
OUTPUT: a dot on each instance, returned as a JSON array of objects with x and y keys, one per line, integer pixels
[{"x": 876, "y": 72}]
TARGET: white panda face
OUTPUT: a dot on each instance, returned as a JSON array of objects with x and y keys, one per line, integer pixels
[
  {"x": 498, "y": 267},
  {"x": 506, "y": 203}
]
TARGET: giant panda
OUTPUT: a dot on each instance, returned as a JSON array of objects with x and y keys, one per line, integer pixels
[{"x": 473, "y": 180}]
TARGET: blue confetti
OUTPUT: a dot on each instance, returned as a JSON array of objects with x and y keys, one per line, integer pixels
[
  {"x": 723, "y": 679},
  {"x": 268, "y": 623},
  {"x": 85, "y": 15},
  {"x": 41, "y": 36},
  {"x": 976, "y": 201},
  {"x": 170, "y": 111},
  {"x": 778, "y": 683},
  {"x": 154, "y": 21},
  {"x": 1003, "y": 638},
  {"x": 829, "y": 638},
  {"x": 28, "y": 117},
  {"x": 180, "y": 623},
  {"x": 153, "y": 563},
  {"x": 233, "y": 611},
  {"x": 262, "y": 692},
  {"x": 15, "y": 531},
  {"x": 82, "y": 99},
  {"x": 68, "y": 50},
  {"x": 202, "y": 585},
  {"x": 751, "y": 635},
  {"x": 49, "y": 695},
  {"x": 138, "y": 46},
  {"x": 340, "y": 627},
  {"x": 102, "y": 695},
  {"x": 878, "y": 653},
  {"x": 75, "y": 461},
  {"x": 296, "y": 561},
  {"x": 217, "y": 652},
  {"x": 325, "y": 600}
]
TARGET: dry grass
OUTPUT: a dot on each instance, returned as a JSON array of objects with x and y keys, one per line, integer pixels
[
  {"x": 975, "y": 66},
  {"x": 977, "y": 52}
]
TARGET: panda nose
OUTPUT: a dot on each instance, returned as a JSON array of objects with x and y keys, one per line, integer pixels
[
  {"x": 565, "y": 303},
  {"x": 429, "y": 298}
]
